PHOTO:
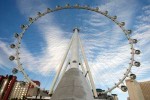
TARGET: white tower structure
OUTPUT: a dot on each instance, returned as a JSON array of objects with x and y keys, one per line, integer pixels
[
  {"x": 75, "y": 50},
  {"x": 73, "y": 84}
]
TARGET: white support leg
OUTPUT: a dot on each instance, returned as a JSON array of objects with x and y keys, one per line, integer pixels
[
  {"x": 88, "y": 69},
  {"x": 60, "y": 67}
]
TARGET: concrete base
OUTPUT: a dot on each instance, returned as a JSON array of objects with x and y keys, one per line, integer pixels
[{"x": 73, "y": 86}]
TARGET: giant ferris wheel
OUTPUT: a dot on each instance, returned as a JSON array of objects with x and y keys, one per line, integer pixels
[{"x": 119, "y": 84}]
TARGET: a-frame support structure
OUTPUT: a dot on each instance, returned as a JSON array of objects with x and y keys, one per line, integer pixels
[{"x": 73, "y": 77}]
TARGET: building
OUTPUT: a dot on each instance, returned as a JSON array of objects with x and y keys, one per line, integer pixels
[
  {"x": 115, "y": 97},
  {"x": 145, "y": 87},
  {"x": 21, "y": 90},
  {"x": 10, "y": 88},
  {"x": 6, "y": 85},
  {"x": 42, "y": 94},
  {"x": 128, "y": 98},
  {"x": 138, "y": 90},
  {"x": 134, "y": 90}
]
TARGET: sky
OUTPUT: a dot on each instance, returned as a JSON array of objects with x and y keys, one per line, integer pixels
[{"x": 106, "y": 47}]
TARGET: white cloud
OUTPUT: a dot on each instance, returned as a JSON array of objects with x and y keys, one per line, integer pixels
[
  {"x": 108, "y": 64},
  {"x": 104, "y": 76},
  {"x": 5, "y": 52},
  {"x": 122, "y": 9},
  {"x": 145, "y": 79},
  {"x": 105, "y": 65},
  {"x": 56, "y": 43},
  {"x": 30, "y": 8},
  {"x": 142, "y": 30},
  {"x": 112, "y": 50},
  {"x": 52, "y": 57}
]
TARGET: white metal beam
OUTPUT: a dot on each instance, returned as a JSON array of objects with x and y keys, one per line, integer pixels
[
  {"x": 60, "y": 66},
  {"x": 88, "y": 69}
]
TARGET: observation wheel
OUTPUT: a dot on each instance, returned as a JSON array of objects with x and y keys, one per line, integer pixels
[{"x": 121, "y": 25}]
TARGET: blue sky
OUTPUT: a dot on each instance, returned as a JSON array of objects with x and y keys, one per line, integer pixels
[{"x": 106, "y": 46}]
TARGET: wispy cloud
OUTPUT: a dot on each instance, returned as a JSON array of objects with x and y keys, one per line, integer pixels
[
  {"x": 142, "y": 33},
  {"x": 54, "y": 37},
  {"x": 108, "y": 64},
  {"x": 106, "y": 48},
  {"x": 5, "y": 52},
  {"x": 56, "y": 43}
]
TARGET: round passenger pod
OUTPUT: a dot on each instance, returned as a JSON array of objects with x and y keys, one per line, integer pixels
[
  {"x": 137, "y": 64},
  {"x": 12, "y": 46},
  {"x": 132, "y": 76},
  {"x": 11, "y": 58},
  {"x": 137, "y": 52},
  {"x": 124, "y": 88},
  {"x": 15, "y": 71}
]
